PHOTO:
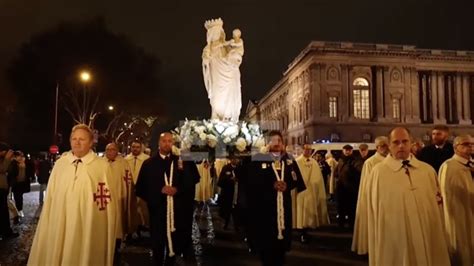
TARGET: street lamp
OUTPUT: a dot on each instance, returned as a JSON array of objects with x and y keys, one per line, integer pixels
[{"x": 85, "y": 76}]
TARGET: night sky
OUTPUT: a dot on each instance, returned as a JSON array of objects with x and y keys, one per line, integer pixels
[{"x": 274, "y": 33}]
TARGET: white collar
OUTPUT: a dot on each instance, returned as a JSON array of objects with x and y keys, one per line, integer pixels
[
  {"x": 439, "y": 146},
  {"x": 141, "y": 156},
  {"x": 164, "y": 156},
  {"x": 460, "y": 159},
  {"x": 396, "y": 165},
  {"x": 89, "y": 157},
  {"x": 379, "y": 156}
]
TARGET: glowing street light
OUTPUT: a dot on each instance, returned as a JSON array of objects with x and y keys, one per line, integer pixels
[
  {"x": 111, "y": 107},
  {"x": 85, "y": 76}
]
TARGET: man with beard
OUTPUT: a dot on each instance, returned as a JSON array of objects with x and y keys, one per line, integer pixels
[
  {"x": 135, "y": 159},
  {"x": 347, "y": 174},
  {"x": 440, "y": 150},
  {"x": 271, "y": 177},
  {"x": 163, "y": 182}
]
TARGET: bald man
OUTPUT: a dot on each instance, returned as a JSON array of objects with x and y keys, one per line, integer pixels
[
  {"x": 162, "y": 177},
  {"x": 457, "y": 189},
  {"x": 404, "y": 212}
]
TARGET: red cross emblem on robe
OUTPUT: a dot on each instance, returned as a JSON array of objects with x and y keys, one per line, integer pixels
[{"x": 102, "y": 196}]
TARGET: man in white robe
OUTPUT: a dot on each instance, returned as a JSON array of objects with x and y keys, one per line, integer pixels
[
  {"x": 135, "y": 159},
  {"x": 359, "y": 240},
  {"x": 405, "y": 225},
  {"x": 457, "y": 189},
  {"x": 77, "y": 223},
  {"x": 310, "y": 208},
  {"x": 122, "y": 183},
  {"x": 332, "y": 180}
]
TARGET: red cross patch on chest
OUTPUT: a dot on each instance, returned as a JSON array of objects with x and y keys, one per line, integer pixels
[{"x": 102, "y": 196}]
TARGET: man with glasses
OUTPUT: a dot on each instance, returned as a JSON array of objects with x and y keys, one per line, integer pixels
[{"x": 457, "y": 189}]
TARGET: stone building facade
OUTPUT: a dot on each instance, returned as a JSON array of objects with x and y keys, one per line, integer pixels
[{"x": 353, "y": 92}]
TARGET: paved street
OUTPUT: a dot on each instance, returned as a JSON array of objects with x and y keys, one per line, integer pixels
[{"x": 212, "y": 244}]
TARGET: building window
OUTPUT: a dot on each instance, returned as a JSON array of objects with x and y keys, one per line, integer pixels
[
  {"x": 396, "y": 109},
  {"x": 361, "y": 82},
  {"x": 361, "y": 98},
  {"x": 333, "y": 107}
]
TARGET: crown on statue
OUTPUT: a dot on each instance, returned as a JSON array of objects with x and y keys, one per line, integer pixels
[{"x": 213, "y": 23}]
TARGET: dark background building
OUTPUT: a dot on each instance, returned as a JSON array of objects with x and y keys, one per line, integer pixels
[{"x": 342, "y": 91}]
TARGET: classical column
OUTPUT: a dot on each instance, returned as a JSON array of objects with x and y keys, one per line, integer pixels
[
  {"x": 459, "y": 101},
  {"x": 380, "y": 93},
  {"x": 424, "y": 89},
  {"x": 388, "y": 99},
  {"x": 441, "y": 99},
  {"x": 407, "y": 114},
  {"x": 415, "y": 96},
  {"x": 433, "y": 88},
  {"x": 466, "y": 100},
  {"x": 345, "y": 101}
]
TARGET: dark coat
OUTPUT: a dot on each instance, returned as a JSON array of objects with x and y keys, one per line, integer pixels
[
  {"x": 325, "y": 169},
  {"x": 227, "y": 180},
  {"x": 13, "y": 172},
  {"x": 44, "y": 170},
  {"x": 347, "y": 172},
  {"x": 436, "y": 157},
  {"x": 262, "y": 210},
  {"x": 149, "y": 185}
]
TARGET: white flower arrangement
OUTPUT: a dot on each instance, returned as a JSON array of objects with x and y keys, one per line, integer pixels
[
  {"x": 212, "y": 132},
  {"x": 211, "y": 141}
]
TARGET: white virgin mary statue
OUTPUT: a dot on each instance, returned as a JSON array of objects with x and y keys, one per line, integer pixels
[{"x": 221, "y": 60}]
